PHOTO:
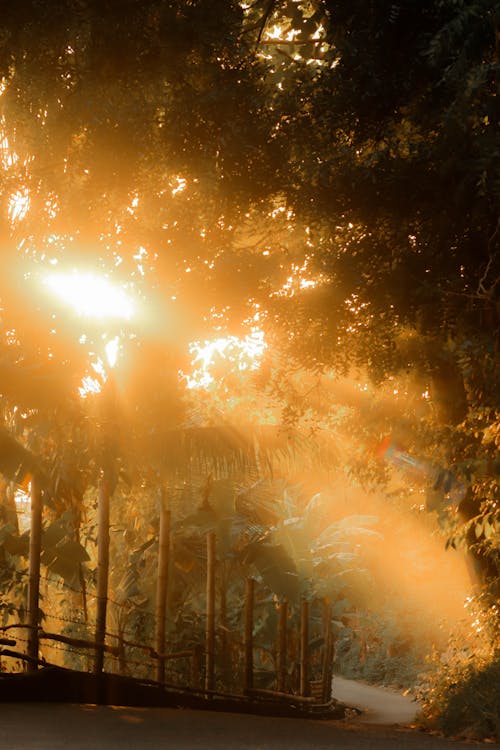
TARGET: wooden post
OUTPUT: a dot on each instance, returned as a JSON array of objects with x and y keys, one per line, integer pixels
[
  {"x": 35, "y": 547},
  {"x": 304, "y": 648},
  {"x": 122, "y": 661},
  {"x": 103, "y": 505},
  {"x": 81, "y": 576},
  {"x": 282, "y": 645},
  {"x": 225, "y": 652},
  {"x": 249, "y": 594},
  {"x": 328, "y": 654},
  {"x": 196, "y": 665},
  {"x": 210, "y": 627},
  {"x": 162, "y": 586}
]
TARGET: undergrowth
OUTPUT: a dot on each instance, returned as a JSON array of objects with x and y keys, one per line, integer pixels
[{"x": 460, "y": 693}]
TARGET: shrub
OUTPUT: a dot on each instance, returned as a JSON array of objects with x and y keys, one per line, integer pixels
[{"x": 461, "y": 695}]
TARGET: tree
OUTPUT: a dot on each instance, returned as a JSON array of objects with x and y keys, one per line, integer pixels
[
  {"x": 149, "y": 121},
  {"x": 326, "y": 171},
  {"x": 399, "y": 189}
]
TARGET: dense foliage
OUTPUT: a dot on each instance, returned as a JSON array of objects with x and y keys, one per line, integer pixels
[{"x": 323, "y": 171}]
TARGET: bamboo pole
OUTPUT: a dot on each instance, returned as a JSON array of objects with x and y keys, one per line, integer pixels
[
  {"x": 225, "y": 653},
  {"x": 328, "y": 652},
  {"x": 103, "y": 506},
  {"x": 83, "y": 585},
  {"x": 304, "y": 648},
  {"x": 162, "y": 586},
  {"x": 120, "y": 654},
  {"x": 35, "y": 547},
  {"x": 249, "y": 597},
  {"x": 282, "y": 645},
  {"x": 210, "y": 626},
  {"x": 196, "y": 665}
]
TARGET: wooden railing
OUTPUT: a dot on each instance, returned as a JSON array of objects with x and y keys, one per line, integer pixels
[{"x": 308, "y": 686}]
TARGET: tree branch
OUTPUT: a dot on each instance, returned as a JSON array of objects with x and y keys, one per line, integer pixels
[{"x": 264, "y": 21}]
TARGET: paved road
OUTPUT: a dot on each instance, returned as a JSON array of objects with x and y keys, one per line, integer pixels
[
  {"x": 378, "y": 705},
  {"x": 49, "y": 726}
]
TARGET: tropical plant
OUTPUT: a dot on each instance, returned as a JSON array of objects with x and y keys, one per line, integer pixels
[
  {"x": 324, "y": 172},
  {"x": 287, "y": 545},
  {"x": 460, "y": 691}
]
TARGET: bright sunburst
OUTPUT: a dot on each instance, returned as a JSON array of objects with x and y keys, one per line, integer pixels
[
  {"x": 242, "y": 353},
  {"x": 91, "y": 296}
]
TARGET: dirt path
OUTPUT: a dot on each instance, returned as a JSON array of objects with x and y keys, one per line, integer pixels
[
  {"x": 49, "y": 726},
  {"x": 378, "y": 705}
]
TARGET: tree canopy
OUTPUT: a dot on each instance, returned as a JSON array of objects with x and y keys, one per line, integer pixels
[{"x": 319, "y": 178}]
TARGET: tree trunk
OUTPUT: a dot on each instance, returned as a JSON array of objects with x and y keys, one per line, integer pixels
[
  {"x": 162, "y": 586},
  {"x": 103, "y": 506},
  {"x": 210, "y": 627},
  {"x": 34, "y": 571},
  {"x": 249, "y": 592},
  {"x": 328, "y": 652},
  {"x": 304, "y": 648},
  {"x": 282, "y": 646}
]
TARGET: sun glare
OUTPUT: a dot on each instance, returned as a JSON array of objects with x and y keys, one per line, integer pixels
[
  {"x": 91, "y": 296},
  {"x": 19, "y": 204},
  {"x": 22, "y": 500},
  {"x": 179, "y": 185},
  {"x": 275, "y": 33},
  {"x": 112, "y": 348},
  {"x": 298, "y": 281},
  {"x": 89, "y": 386},
  {"x": 242, "y": 353}
]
